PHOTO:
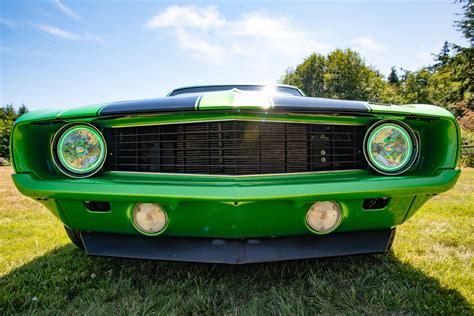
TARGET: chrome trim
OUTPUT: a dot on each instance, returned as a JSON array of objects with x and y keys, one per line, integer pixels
[
  {"x": 233, "y": 176},
  {"x": 237, "y": 119},
  {"x": 58, "y": 165},
  {"x": 416, "y": 147}
]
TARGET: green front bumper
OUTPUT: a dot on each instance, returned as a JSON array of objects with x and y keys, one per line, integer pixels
[{"x": 234, "y": 207}]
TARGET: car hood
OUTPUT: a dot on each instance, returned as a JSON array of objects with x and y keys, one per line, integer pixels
[{"x": 236, "y": 100}]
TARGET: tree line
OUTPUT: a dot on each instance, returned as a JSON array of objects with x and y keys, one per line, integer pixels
[
  {"x": 344, "y": 74},
  {"x": 8, "y": 115}
]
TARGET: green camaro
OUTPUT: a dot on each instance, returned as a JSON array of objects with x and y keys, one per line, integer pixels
[{"x": 235, "y": 173}]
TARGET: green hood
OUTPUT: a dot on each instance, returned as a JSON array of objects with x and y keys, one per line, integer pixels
[{"x": 236, "y": 100}]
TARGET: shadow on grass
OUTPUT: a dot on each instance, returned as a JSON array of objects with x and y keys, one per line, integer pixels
[{"x": 66, "y": 280}]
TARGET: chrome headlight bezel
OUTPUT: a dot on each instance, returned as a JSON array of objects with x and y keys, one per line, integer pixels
[
  {"x": 61, "y": 163},
  {"x": 407, "y": 132}
]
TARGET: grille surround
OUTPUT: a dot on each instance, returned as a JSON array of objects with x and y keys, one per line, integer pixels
[{"x": 236, "y": 148}]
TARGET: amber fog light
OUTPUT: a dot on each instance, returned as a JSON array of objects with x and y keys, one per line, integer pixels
[
  {"x": 149, "y": 219},
  {"x": 324, "y": 216}
]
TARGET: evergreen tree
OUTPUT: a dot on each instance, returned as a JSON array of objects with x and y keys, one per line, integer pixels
[
  {"x": 393, "y": 77},
  {"x": 466, "y": 24},
  {"x": 22, "y": 110},
  {"x": 443, "y": 57},
  {"x": 8, "y": 112}
]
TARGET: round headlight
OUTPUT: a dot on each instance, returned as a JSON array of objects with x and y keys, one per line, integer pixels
[
  {"x": 390, "y": 148},
  {"x": 324, "y": 217},
  {"x": 149, "y": 219},
  {"x": 81, "y": 151}
]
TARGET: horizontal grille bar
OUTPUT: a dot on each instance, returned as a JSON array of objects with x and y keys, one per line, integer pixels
[{"x": 235, "y": 148}]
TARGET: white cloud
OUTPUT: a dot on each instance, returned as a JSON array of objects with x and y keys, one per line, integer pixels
[
  {"x": 68, "y": 11},
  {"x": 6, "y": 22},
  {"x": 259, "y": 25},
  {"x": 209, "y": 36},
  {"x": 199, "y": 47},
  {"x": 57, "y": 32},
  {"x": 187, "y": 17},
  {"x": 367, "y": 44}
]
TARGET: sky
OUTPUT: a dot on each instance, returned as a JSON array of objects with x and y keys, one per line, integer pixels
[{"x": 66, "y": 53}]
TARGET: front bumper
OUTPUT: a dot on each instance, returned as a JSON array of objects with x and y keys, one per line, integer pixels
[
  {"x": 237, "y": 251},
  {"x": 247, "y": 207}
]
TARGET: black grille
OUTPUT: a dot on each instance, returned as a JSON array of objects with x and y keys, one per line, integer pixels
[{"x": 235, "y": 148}]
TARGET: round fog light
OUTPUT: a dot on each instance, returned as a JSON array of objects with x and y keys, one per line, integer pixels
[
  {"x": 149, "y": 219},
  {"x": 323, "y": 217}
]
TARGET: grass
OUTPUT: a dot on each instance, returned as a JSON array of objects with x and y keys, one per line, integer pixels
[{"x": 430, "y": 270}]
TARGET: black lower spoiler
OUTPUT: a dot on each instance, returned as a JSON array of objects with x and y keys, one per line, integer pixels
[{"x": 237, "y": 251}]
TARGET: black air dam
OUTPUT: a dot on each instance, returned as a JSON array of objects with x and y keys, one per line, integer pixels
[{"x": 236, "y": 251}]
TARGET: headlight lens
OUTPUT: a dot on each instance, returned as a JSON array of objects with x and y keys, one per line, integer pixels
[
  {"x": 390, "y": 148},
  {"x": 81, "y": 149}
]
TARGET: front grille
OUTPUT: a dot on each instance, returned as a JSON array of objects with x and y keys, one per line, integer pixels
[{"x": 235, "y": 148}]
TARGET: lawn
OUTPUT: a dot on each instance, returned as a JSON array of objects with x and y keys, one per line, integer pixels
[{"x": 429, "y": 270}]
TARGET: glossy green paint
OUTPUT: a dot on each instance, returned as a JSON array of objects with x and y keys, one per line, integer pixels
[
  {"x": 439, "y": 138},
  {"x": 423, "y": 110},
  {"x": 235, "y": 207},
  {"x": 224, "y": 100}
]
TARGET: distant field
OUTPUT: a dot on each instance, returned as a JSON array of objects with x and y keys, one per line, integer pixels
[{"x": 430, "y": 270}]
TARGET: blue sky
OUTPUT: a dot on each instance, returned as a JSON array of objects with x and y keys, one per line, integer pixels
[{"x": 64, "y": 53}]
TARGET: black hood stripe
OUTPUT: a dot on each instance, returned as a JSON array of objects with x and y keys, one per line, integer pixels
[
  {"x": 168, "y": 104},
  {"x": 291, "y": 104},
  {"x": 307, "y": 104}
]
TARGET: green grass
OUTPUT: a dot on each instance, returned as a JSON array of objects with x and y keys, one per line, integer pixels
[{"x": 430, "y": 270}]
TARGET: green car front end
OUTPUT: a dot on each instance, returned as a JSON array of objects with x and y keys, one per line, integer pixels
[{"x": 235, "y": 174}]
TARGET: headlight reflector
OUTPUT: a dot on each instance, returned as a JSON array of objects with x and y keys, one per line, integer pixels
[
  {"x": 390, "y": 148},
  {"x": 324, "y": 216},
  {"x": 81, "y": 150},
  {"x": 148, "y": 218}
]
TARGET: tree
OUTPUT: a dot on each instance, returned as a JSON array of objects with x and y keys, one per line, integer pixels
[
  {"x": 309, "y": 75},
  {"x": 8, "y": 112},
  {"x": 22, "y": 110},
  {"x": 393, "y": 77},
  {"x": 415, "y": 87},
  {"x": 8, "y": 115},
  {"x": 466, "y": 24},
  {"x": 342, "y": 74},
  {"x": 443, "y": 57}
]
